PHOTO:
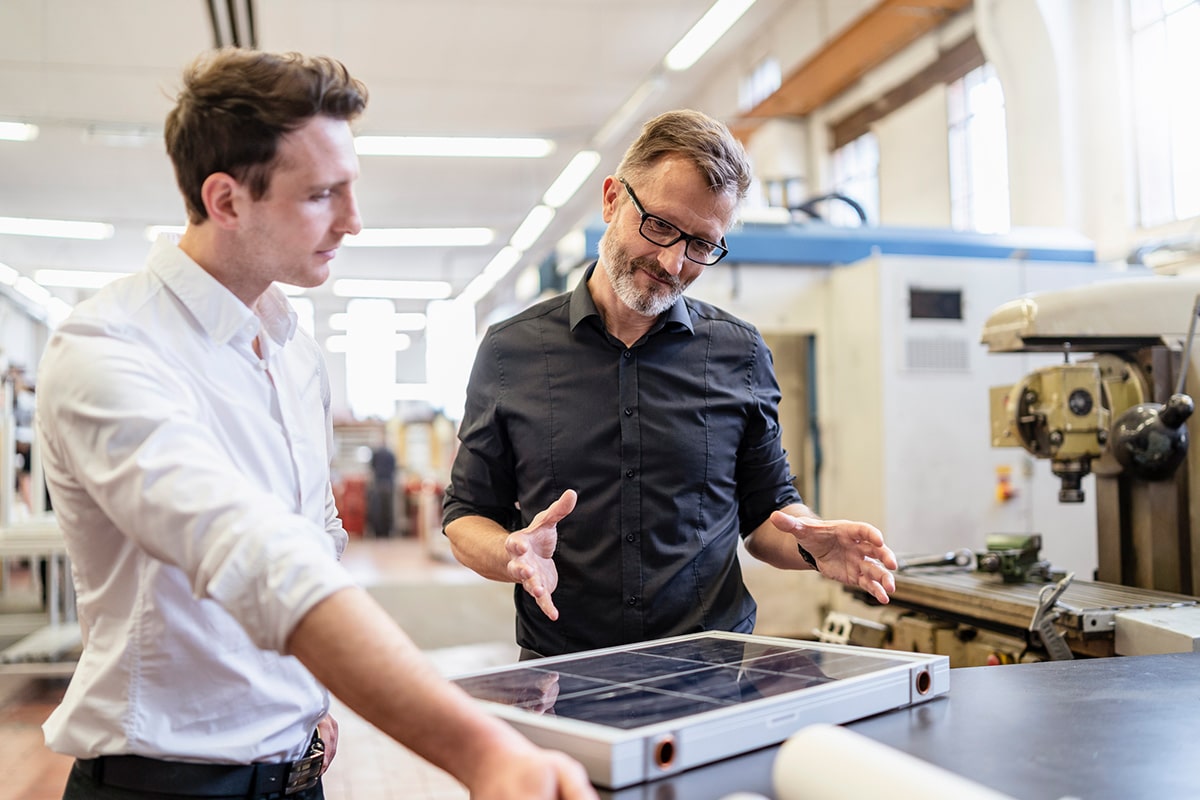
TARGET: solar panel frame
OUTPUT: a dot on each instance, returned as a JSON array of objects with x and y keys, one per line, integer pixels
[{"x": 639, "y": 712}]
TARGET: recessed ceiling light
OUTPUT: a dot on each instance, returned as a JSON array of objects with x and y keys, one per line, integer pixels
[
  {"x": 17, "y": 131},
  {"x": 500, "y": 265},
  {"x": 8, "y": 275},
  {"x": 403, "y": 321},
  {"x": 117, "y": 135},
  {"x": 55, "y": 228},
  {"x": 534, "y": 225},
  {"x": 705, "y": 33},
  {"x": 420, "y": 237},
  {"x": 396, "y": 290},
  {"x": 154, "y": 231},
  {"x": 32, "y": 289},
  {"x": 76, "y": 278},
  {"x": 578, "y": 170},
  {"x": 341, "y": 342},
  {"x": 453, "y": 146}
]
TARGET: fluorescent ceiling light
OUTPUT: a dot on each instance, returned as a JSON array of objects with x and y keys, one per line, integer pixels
[
  {"x": 56, "y": 311},
  {"x": 55, "y": 228},
  {"x": 8, "y": 275},
  {"x": 571, "y": 178},
  {"x": 416, "y": 392},
  {"x": 117, "y": 135},
  {"x": 33, "y": 290},
  {"x": 421, "y": 237},
  {"x": 340, "y": 343},
  {"x": 154, "y": 231},
  {"x": 453, "y": 146},
  {"x": 401, "y": 321},
  {"x": 618, "y": 122},
  {"x": 397, "y": 290},
  {"x": 534, "y": 225},
  {"x": 76, "y": 278},
  {"x": 18, "y": 131},
  {"x": 500, "y": 265},
  {"x": 705, "y": 33}
]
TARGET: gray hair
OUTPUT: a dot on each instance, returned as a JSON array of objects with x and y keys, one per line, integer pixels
[{"x": 704, "y": 141}]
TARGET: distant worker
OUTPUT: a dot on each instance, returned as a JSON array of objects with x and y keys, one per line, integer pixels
[
  {"x": 381, "y": 516},
  {"x": 618, "y": 439},
  {"x": 184, "y": 419}
]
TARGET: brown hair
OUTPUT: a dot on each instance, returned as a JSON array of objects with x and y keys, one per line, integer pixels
[
  {"x": 704, "y": 141},
  {"x": 236, "y": 104}
]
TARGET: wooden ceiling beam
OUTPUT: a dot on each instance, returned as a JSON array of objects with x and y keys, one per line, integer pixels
[{"x": 880, "y": 33}]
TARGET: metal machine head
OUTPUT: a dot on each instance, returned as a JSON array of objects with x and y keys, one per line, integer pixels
[{"x": 1066, "y": 412}]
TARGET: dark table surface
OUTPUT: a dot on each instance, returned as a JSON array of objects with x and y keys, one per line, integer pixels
[{"x": 1118, "y": 728}]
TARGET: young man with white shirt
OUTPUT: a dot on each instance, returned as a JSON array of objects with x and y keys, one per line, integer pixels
[{"x": 184, "y": 422}]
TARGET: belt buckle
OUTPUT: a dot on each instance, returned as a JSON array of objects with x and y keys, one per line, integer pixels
[{"x": 304, "y": 773}]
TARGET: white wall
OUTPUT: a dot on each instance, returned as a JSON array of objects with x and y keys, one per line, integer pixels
[{"x": 914, "y": 167}]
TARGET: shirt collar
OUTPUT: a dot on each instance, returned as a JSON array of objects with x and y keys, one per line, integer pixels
[
  {"x": 583, "y": 306},
  {"x": 218, "y": 311}
]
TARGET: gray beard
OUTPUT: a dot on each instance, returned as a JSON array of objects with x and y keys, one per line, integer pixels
[{"x": 620, "y": 271}]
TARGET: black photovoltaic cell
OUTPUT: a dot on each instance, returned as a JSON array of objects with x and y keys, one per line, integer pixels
[
  {"x": 641, "y": 712},
  {"x": 659, "y": 682}
]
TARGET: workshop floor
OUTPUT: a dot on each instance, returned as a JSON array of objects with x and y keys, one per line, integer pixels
[{"x": 369, "y": 765}]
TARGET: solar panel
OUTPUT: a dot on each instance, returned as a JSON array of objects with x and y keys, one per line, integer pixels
[{"x": 638, "y": 712}]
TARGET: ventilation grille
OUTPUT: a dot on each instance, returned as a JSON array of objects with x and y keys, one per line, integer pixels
[{"x": 936, "y": 355}]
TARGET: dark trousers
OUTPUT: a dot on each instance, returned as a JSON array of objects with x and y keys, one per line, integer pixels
[
  {"x": 380, "y": 500},
  {"x": 82, "y": 787}
]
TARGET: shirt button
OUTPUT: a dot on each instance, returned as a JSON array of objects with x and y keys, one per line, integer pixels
[
  {"x": 628, "y": 473},
  {"x": 629, "y": 537},
  {"x": 633, "y": 601},
  {"x": 629, "y": 412},
  {"x": 627, "y": 354}
]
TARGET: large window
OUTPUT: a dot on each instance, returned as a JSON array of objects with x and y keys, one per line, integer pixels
[
  {"x": 856, "y": 175},
  {"x": 978, "y": 153},
  {"x": 762, "y": 81},
  {"x": 1166, "y": 62}
]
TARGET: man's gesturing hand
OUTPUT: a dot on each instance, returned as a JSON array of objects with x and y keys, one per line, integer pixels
[
  {"x": 846, "y": 551},
  {"x": 531, "y": 553}
]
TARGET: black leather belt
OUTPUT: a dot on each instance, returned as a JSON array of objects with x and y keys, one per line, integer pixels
[{"x": 139, "y": 774}]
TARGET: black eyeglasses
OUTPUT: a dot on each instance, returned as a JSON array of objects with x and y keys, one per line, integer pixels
[{"x": 657, "y": 230}]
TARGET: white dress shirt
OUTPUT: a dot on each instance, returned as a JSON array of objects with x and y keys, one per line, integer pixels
[{"x": 190, "y": 478}]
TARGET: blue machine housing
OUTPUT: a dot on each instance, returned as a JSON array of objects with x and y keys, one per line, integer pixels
[{"x": 819, "y": 243}]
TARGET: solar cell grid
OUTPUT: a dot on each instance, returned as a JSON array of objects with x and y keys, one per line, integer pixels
[{"x": 658, "y": 707}]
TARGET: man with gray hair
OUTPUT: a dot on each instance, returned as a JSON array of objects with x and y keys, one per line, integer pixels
[{"x": 619, "y": 438}]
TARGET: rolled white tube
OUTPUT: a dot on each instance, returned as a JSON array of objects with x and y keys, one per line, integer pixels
[{"x": 829, "y": 762}]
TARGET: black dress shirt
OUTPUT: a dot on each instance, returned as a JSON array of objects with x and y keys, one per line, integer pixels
[{"x": 673, "y": 445}]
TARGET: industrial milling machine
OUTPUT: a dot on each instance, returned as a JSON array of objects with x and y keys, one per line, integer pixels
[{"x": 1117, "y": 406}]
